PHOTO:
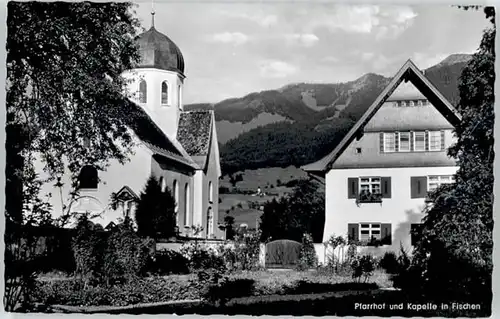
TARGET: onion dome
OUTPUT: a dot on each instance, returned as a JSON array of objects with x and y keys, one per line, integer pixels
[{"x": 158, "y": 51}]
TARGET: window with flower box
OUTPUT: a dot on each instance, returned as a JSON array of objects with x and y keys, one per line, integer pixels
[
  {"x": 370, "y": 233},
  {"x": 369, "y": 189}
]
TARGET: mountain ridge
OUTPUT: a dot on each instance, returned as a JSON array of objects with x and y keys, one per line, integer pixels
[{"x": 301, "y": 122}]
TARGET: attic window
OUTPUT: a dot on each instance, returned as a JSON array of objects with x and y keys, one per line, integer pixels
[
  {"x": 88, "y": 178},
  {"x": 358, "y": 150}
]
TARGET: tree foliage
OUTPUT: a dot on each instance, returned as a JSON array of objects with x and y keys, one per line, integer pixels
[
  {"x": 64, "y": 105},
  {"x": 155, "y": 215},
  {"x": 292, "y": 216},
  {"x": 456, "y": 248},
  {"x": 281, "y": 145},
  {"x": 65, "y": 90}
]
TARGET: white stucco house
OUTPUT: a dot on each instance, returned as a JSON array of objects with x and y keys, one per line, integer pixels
[
  {"x": 178, "y": 147},
  {"x": 377, "y": 178}
]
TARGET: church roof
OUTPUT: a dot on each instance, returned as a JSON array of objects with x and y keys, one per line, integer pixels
[
  {"x": 195, "y": 132},
  {"x": 158, "y": 51},
  {"x": 152, "y": 136},
  {"x": 408, "y": 72}
]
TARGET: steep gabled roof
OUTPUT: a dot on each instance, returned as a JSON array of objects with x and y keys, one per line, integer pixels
[
  {"x": 195, "y": 134},
  {"x": 409, "y": 72},
  {"x": 152, "y": 136}
]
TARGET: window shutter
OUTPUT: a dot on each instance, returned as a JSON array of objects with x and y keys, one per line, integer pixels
[
  {"x": 418, "y": 186},
  {"x": 426, "y": 138},
  {"x": 396, "y": 141},
  {"x": 386, "y": 234},
  {"x": 381, "y": 142},
  {"x": 352, "y": 187},
  {"x": 386, "y": 187},
  {"x": 412, "y": 137},
  {"x": 442, "y": 141},
  {"x": 353, "y": 232}
]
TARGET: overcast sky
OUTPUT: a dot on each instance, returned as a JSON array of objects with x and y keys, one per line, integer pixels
[{"x": 232, "y": 49}]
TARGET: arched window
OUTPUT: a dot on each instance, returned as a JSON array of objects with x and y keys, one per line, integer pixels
[
  {"x": 164, "y": 92},
  {"x": 187, "y": 199},
  {"x": 176, "y": 198},
  {"x": 210, "y": 222},
  {"x": 88, "y": 178},
  {"x": 210, "y": 192},
  {"x": 143, "y": 90},
  {"x": 163, "y": 184}
]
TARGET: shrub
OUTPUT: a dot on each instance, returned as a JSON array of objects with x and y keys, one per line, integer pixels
[
  {"x": 168, "y": 262},
  {"x": 109, "y": 256},
  {"x": 126, "y": 255},
  {"x": 362, "y": 266},
  {"x": 307, "y": 256},
  {"x": 389, "y": 262},
  {"x": 200, "y": 257},
  {"x": 406, "y": 277},
  {"x": 88, "y": 246},
  {"x": 247, "y": 250},
  {"x": 73, "y": 292},
  {"x": 211, "y": 284},
  {"x": 352, "y": 252}
]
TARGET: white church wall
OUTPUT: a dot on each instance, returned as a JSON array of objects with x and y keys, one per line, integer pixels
[
  {"x": 137, "y": 169},
  {"x": 212, "y": 175},
  {"x": 198, "y": 201}
]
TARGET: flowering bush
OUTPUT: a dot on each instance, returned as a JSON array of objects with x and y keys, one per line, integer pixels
[{"x": 200, "y": 257}]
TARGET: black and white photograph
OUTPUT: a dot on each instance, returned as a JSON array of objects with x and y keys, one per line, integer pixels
[{"x": 278, "y": 158}]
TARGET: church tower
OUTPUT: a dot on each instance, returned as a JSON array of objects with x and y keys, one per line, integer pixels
[{"x": 158, "y": 80}]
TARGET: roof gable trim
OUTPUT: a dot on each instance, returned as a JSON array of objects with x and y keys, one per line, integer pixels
[{"x": 408, "y": 72}]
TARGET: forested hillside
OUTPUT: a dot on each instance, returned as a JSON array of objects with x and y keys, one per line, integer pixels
[{"x": 318, "y": 116}]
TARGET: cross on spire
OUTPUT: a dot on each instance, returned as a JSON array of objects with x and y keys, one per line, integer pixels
[{"x": 152, "y": 14}]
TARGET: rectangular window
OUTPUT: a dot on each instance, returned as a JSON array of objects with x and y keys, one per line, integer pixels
[
  {"x": 419, "y": 141},
  {"x": 368, "y": 232},
  {"x": 389, "y": 142},
  {"x": 369, "y": 184},
  {"x": 435, "y": 140},
  {"x": 404, "y": 141},
  {"x": 435, "y": 181}
]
